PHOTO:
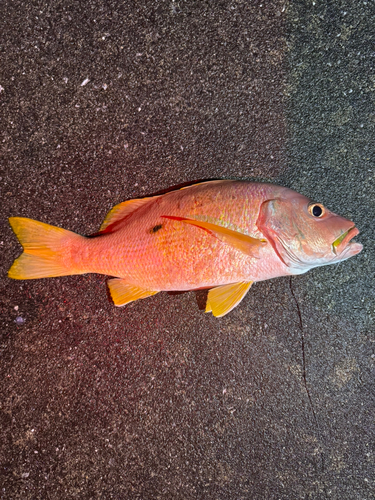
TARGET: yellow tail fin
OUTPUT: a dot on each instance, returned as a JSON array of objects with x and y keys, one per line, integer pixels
[{"x": 46, "y": 250}]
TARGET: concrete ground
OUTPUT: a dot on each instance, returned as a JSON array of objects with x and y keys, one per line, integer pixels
[{"x": 104, "y": 101}]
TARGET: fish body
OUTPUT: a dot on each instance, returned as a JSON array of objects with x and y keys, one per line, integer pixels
[
  {"x": 219, "y": 234},
  {"x": 155, "y": 252}
]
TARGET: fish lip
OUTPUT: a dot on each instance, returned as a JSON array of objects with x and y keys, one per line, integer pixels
[{"x": 345, "y": 239}]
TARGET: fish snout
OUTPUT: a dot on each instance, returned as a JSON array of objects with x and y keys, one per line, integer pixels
[{"x": 343, "y": 245}]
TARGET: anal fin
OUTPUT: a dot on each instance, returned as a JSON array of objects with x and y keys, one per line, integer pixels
[
  {"x": 222, "y": 299},
  {"x": 122, "y": 293}
]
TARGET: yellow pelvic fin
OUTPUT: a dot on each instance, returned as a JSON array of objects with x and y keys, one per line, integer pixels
[
  {"x": 222, "y": 299},
  {"x": 122, "y": 293},
  {"x": 242, "y": 242},
  {"x": 123, "y": 210},
  {"x": 43, "y": 246}
]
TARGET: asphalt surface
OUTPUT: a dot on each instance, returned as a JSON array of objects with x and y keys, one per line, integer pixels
[{"x": 105, "y": 101}]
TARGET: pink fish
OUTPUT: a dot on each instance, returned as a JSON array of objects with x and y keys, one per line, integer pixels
[{"x": 222, "y": 235}]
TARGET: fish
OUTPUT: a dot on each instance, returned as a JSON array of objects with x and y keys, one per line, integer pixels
[{"x": 219, "y": 235}]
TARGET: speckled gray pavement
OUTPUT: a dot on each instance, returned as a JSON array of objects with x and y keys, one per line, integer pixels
[{"x": 103, "y": 101}]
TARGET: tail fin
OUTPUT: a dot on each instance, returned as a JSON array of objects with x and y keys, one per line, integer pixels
[{"x": 44, "y": 247}]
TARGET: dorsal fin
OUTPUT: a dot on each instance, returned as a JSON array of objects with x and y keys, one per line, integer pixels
[
  {"x": 121, "y": 211},
  {"x": 124, "y": 209},
  {"x": 219, "y": 181}
]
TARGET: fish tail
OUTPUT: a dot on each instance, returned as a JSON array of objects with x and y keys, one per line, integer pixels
[{"x": 47, "y": 250}]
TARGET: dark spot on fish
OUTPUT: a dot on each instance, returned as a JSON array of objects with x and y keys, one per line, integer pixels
[{"x": 155, "y": 229}]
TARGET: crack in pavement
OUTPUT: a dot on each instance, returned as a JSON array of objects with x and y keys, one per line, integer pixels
[{"x": 319, "y": 433}]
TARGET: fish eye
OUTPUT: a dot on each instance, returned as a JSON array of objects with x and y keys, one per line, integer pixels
[{"x": 316, "y": 210}]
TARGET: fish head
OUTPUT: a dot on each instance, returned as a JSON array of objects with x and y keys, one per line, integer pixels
[{"x": 305, "y": 234}]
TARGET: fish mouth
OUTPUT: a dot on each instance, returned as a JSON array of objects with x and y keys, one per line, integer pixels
[{"x": 342, "y": 242}]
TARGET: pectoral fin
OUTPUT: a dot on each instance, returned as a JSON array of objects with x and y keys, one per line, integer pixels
[
  {"x": 222, "y": 299},
  {"x": 122, "y": 293},
  {"x": 242, "y": 242}
]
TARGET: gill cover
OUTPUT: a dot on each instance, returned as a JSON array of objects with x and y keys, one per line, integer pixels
[{"x": 279, "y": 228}]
